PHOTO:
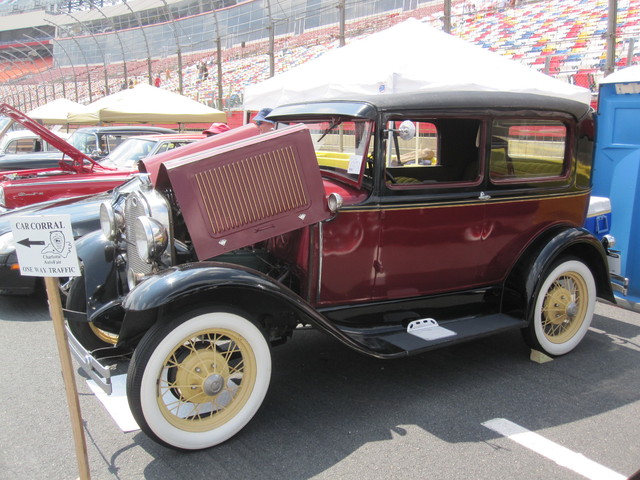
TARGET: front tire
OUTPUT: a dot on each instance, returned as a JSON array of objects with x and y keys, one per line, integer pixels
[
  {"x": 563, "y": 308},
  {"x": 196, "y": 381}
]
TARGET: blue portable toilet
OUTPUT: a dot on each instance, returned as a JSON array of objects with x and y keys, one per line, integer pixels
[{"x": 616, "y": 176}]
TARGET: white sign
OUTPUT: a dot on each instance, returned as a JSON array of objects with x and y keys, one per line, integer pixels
[{"x": 45, "y": 246}]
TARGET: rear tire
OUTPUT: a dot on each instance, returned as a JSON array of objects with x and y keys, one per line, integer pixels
[
  {"x": 198, "y": 380},
  {"x": 563, "y": 308}
]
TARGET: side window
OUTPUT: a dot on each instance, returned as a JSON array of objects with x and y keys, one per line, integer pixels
[
  {"x": 24, "y": 145},
  {"x": 432, "y": 151},
  {"x": 527, "y": 149},
  {"x": 12, "y": 147},
  {"x": 165, "y": 147},
  {"x": 109, "y": 142}
]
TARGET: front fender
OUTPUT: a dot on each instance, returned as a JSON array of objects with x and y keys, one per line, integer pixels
[
  {"x": 189, "y": 284},
  {"x": 179, "y": 282},
  {"x": 197, "y": 281},
  {"x": 97, "y": 256}
]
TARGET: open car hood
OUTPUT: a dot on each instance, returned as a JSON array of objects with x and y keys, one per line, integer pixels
[
  {"x": 248, "y": 191},
  {"x": 78, "y": 158}
]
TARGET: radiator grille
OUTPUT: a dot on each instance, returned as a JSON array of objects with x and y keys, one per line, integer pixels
[{"x": 251, "y": 190}]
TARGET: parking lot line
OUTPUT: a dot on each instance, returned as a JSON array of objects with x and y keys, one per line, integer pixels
[{"x": 559, "y": 454}]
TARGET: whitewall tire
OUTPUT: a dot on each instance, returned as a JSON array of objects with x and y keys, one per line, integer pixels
[
  {"x": 195, "y": 382},
  {"x": 563, "y": 308}
]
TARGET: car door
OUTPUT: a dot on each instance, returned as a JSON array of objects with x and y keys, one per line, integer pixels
[
  {"x": 530, "y": 187},
  {"x": 432, "y": 208}
]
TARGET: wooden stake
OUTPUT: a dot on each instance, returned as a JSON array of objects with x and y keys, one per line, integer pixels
[{"x": 55, "y": 310}]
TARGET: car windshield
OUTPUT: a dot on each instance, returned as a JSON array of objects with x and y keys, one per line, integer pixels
[
  {"x": 129, "y": 153},
  {"x": 341, "y": 145}
]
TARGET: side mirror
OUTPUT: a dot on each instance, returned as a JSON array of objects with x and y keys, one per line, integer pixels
[{"x": 407, "y": 130}]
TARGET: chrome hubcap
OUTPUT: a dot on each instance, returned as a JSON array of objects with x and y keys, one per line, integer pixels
[{"x": 213, "y": 384}]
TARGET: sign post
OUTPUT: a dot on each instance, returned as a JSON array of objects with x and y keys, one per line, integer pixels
[{"x": 45, "y": 248}]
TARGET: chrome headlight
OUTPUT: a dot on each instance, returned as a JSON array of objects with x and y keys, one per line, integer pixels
[
  {"x": 111, "y": 222},
  {"x": 7, "y": 245},
  {"x": 150, "y": 237}
]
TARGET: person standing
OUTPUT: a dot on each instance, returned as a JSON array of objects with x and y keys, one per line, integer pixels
[
  {"x": 263, "y": 124},
  {"x": 216, "y": 128}
]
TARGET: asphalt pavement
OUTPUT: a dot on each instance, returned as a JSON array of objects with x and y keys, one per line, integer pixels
[{"x": 332, "y": 413}]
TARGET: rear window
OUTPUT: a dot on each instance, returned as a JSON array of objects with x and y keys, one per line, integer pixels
[{"x": 524, "y": 149}]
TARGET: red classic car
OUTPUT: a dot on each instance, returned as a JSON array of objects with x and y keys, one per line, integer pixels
[
  {"x": 80, "y": 175},
  {"x": 394, "y": 223}
]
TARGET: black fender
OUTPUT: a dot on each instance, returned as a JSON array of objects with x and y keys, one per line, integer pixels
[
  {"x": 523, "y": 281},
  {"x": 184, "y": 286},
  {"x": 97, "y": 257}
]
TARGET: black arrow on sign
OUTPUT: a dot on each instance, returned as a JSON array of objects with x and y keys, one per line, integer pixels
[{"x": 27, "y": 243}]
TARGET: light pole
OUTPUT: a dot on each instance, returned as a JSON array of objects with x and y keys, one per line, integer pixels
[
  {"x": 446, "y": 18},
  {"x": 218, "y": 59},
  {"x": 342, "y": 22},
  {"x": 271, "y": 28},
  {"x": 611, "y": 37}
]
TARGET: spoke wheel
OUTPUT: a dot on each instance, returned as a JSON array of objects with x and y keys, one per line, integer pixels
[
  {"x": 195, "y": 382},
  {"x": 563, "y": 309}
]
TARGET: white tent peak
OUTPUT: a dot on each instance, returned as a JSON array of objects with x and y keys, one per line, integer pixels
[{"x": 408, "y": 57}]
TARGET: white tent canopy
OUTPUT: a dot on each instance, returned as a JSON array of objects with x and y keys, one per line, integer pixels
[
  {"x": 628, "y": 74},
  {"x": 407, "y": 57},
  {"x": 146, "y": 104},
  {"x": 55, "y": 112}
]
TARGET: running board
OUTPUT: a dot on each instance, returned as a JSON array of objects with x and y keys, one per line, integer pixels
[{"x": 426, "y": 334}]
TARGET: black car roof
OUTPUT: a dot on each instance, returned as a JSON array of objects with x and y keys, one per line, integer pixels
[{"x": 366, "y": 106}]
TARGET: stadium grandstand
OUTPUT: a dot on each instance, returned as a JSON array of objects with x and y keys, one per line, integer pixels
[{"x": 210, "y": 50}]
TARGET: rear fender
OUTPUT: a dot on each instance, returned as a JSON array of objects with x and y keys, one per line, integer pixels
[{"x": 523, "y": 281}]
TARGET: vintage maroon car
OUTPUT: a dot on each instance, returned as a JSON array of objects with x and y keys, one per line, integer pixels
[
  {"x": 395, "y": 223},
  {"x": 78, "y": 173}
]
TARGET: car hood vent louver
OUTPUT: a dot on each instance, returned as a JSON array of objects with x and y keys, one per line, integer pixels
[{"x": 249, "y": 191}]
